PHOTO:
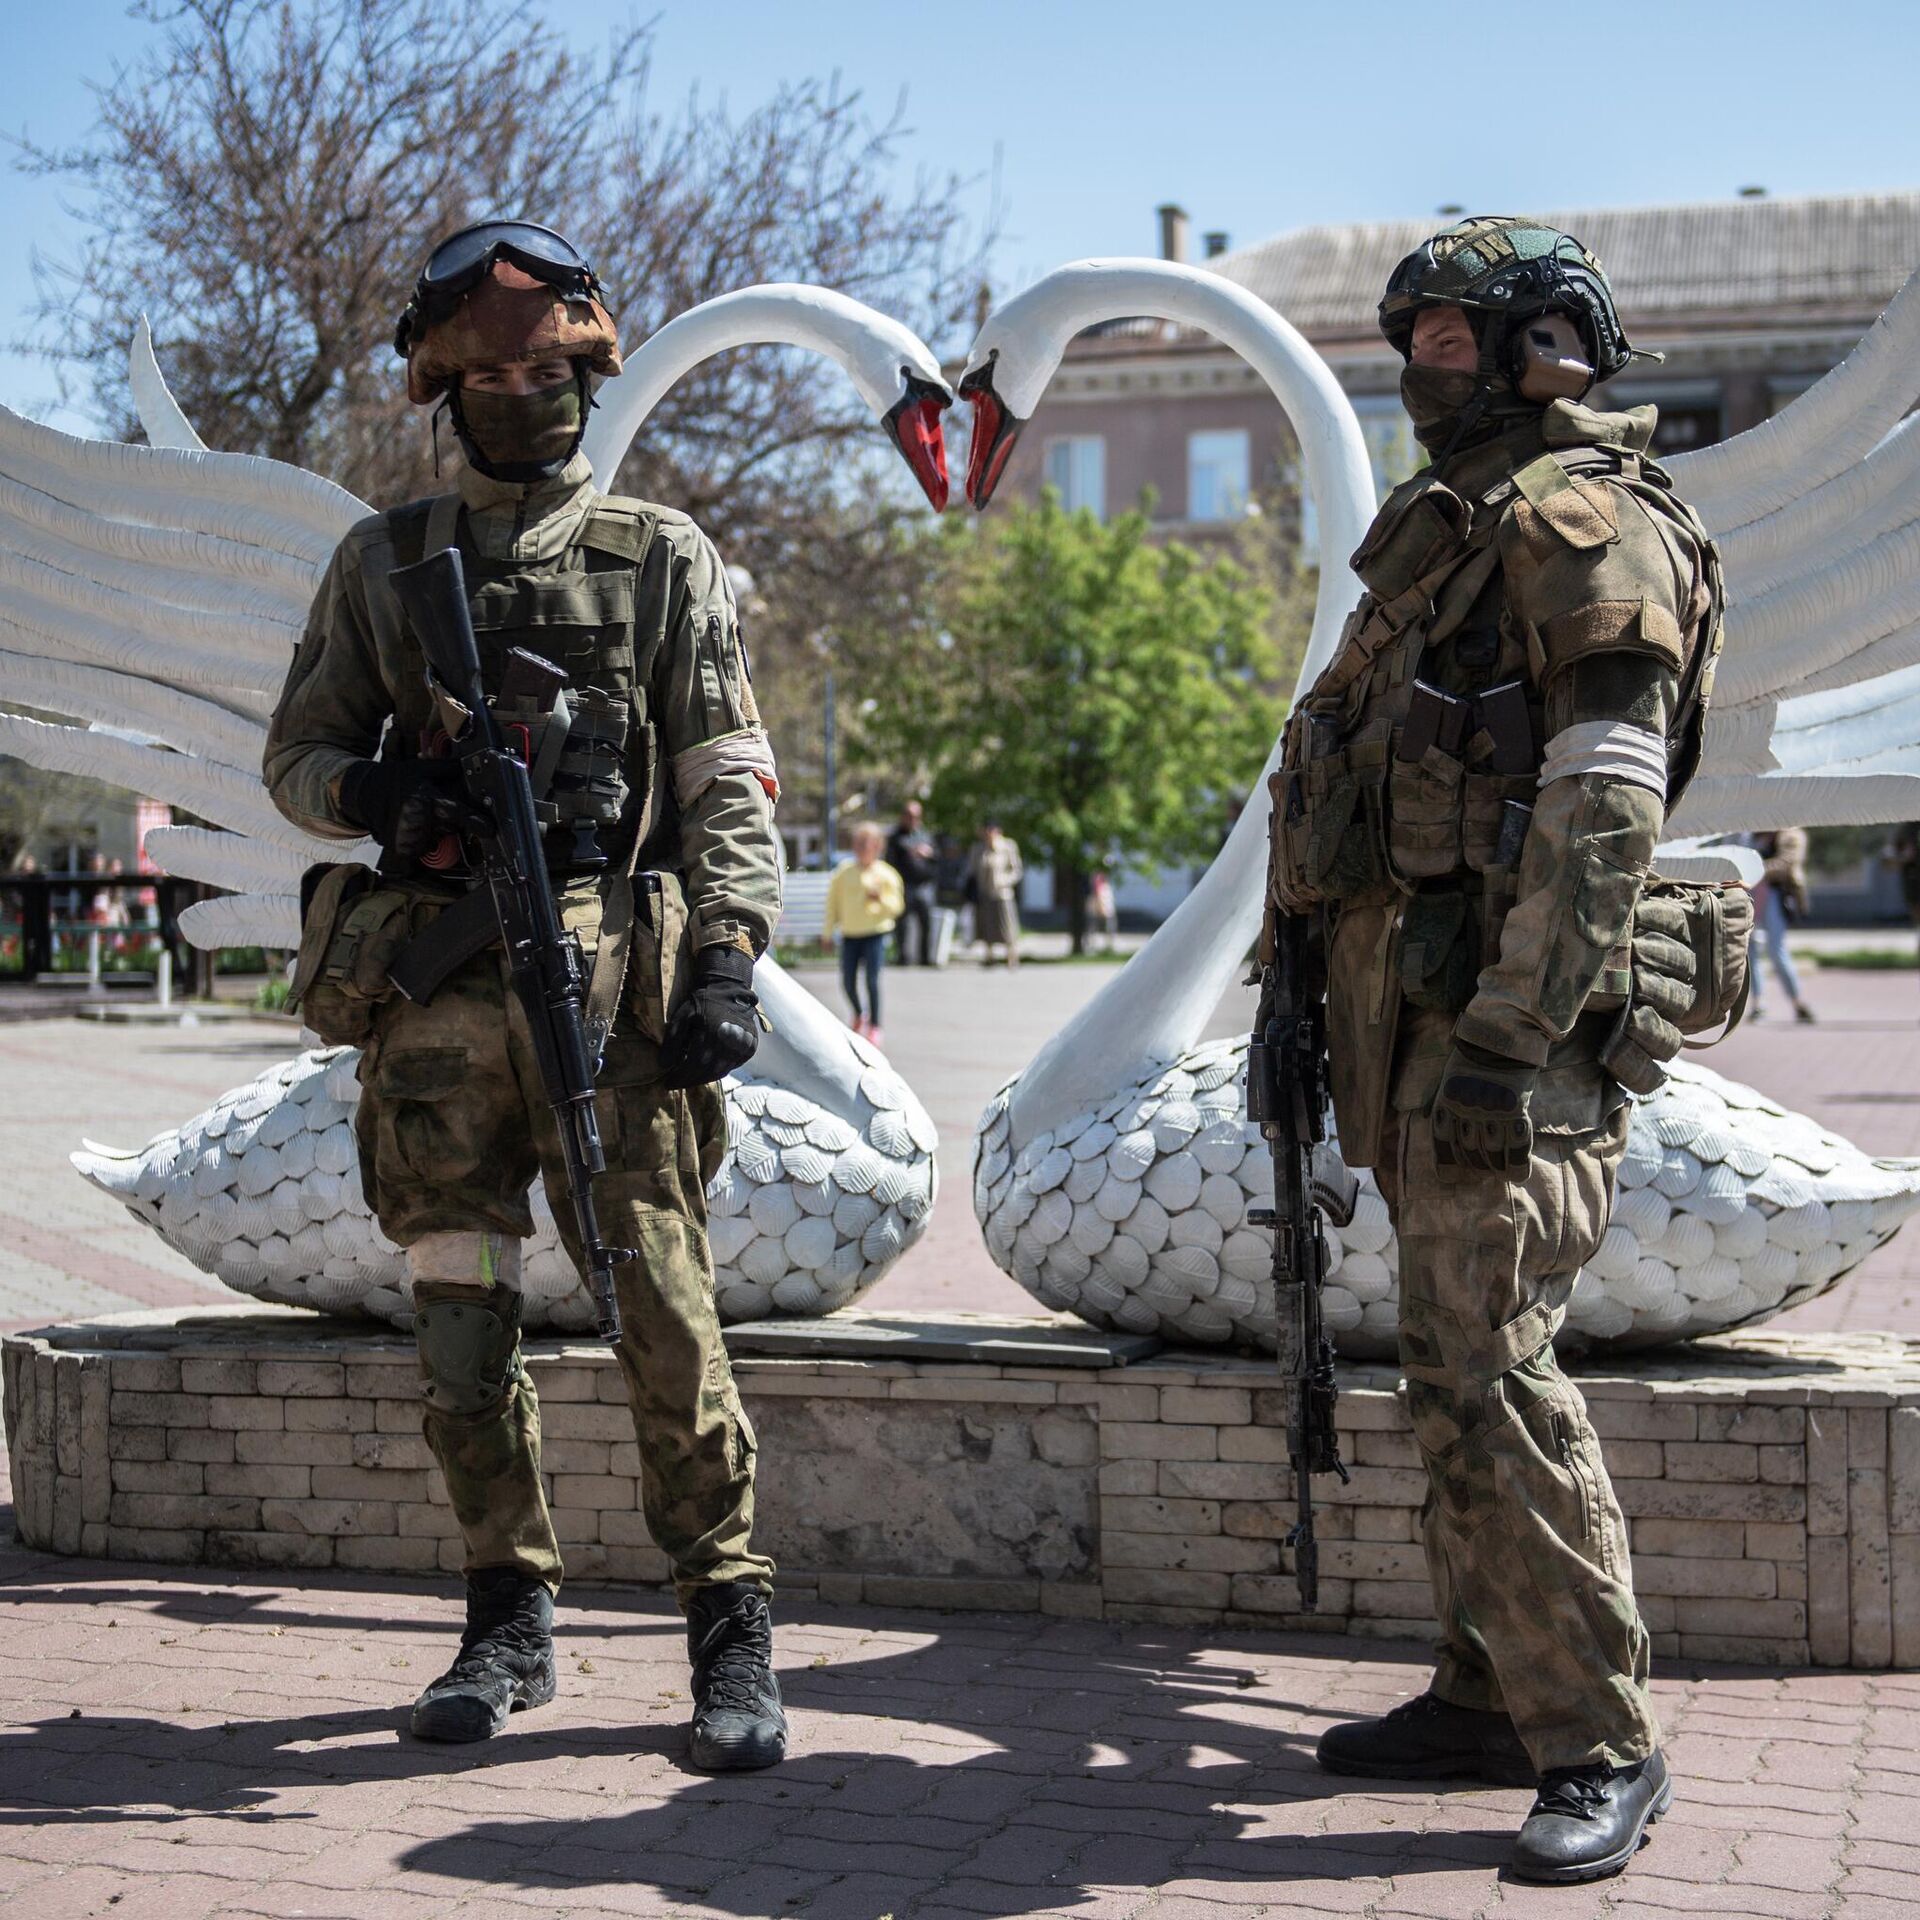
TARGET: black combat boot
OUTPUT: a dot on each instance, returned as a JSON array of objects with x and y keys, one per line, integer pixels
[
  {"x": 737, "y": 1721},
  {"x": 506, "y": 1660},
  {"x": 1588, "y": 1822},
  {"x": 1429, "y": 1739}
]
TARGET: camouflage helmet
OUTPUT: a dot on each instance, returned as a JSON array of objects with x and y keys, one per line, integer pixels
[
  {"x": 1508, "y": 268},
  {"x": 499, "y": 291}
]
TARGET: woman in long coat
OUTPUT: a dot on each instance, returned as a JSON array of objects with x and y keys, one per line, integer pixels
[{"x": 994, "y": 877}]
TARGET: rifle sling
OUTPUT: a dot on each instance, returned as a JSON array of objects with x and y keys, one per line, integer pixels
[{"x": 466, "y": 927}]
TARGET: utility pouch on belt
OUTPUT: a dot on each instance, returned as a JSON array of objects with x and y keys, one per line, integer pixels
[
  {"x": 1718, "y": 924},
  {"x": 1719, "y": 927},
  {"x": 351, "y": 929}
]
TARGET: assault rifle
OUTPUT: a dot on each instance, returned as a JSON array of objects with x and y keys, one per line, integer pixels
[
  {"x": 548, "y": 972},
  {"x": 1287, "y": 1099}
]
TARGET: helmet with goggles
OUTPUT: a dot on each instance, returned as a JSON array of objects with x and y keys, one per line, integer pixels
[
  {"x": 501, "y": 291},
  {"x": 1505, "y": 271}
]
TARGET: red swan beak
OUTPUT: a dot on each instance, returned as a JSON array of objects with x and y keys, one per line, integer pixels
[
  {"x": 913, "y": 425},
  {"x": 995, "y": 429}
]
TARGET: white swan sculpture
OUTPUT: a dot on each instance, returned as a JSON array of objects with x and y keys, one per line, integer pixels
[
  {"x": 1113, "y": 1176},
  {"x": 162, "y": 588}
]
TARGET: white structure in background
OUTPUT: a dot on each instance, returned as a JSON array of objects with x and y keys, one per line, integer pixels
[
  {"x": 163, "y": 587},
  {"x": 1133, "y": 1215},
  {"x": 810, "y": 1207},
  {"x": 1112, "y": 1176}
]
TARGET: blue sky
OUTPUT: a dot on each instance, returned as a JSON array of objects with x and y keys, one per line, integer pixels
[{"x": 1256, "y": 115}]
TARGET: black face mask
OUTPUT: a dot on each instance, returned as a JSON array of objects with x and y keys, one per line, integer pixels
[
  {"x": 520, "y": 437},
  {"x": 1453, "y": 408}
]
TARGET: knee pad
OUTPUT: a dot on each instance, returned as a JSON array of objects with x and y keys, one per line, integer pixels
[
  {"x": 470, "y": 1349},
  {"x": 466, "y": 1318}
]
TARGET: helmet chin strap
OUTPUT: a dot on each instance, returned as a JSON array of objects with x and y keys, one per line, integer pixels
[{"x": 517, "y": 473}]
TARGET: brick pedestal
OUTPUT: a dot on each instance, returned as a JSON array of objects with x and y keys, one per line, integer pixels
[{"x": 1772, "y": 1484}]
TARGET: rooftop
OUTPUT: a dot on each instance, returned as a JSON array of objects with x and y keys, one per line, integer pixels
[{"x": 1833, "y": 254}]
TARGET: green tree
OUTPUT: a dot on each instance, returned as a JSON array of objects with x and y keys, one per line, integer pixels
[{"x": 1106, "y": 699}]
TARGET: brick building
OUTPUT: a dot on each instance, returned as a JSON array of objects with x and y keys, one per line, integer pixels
[{"x": 1750, "y": 299}]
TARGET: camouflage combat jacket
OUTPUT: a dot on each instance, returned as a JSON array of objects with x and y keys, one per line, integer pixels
[
  {"x": 1478, "y": 873},
  {"x": 632, "y": 600}
]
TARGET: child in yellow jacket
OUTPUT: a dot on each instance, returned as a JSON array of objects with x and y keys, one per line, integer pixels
[{"x": 865, "y": 898}]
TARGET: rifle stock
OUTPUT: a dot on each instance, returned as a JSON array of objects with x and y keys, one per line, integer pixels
[
  {"x": 546, "y": 967},
  {"x": 1288, "y": 1099}
]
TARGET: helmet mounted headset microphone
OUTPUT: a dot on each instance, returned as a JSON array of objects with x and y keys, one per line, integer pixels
[{"x": 1540, "y": 305}]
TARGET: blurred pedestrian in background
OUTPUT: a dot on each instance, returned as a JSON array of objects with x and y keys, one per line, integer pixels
[
  {"x": 995, "y": 878},
  {"x": 865, "y": 899},
  {"x": 1103, "y": 913},
  {"x": 1778, "y": 901},
  {"x": 913, "y": 856}
]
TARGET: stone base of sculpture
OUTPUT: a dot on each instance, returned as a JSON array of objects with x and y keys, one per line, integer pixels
[{"x": 1772, "y": 1482}]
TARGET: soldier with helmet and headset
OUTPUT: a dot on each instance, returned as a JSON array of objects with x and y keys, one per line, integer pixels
[
  {"x": 654, "y": 785},
  {"x": 1467, "y": 806}
]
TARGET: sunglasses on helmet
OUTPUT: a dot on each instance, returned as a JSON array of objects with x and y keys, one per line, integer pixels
[{"x": 461, "y": 261}]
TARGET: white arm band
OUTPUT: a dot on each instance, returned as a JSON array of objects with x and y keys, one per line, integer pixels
[
  {"x": 748, "y": 751},
  {"x": 1608, "y": 747}
]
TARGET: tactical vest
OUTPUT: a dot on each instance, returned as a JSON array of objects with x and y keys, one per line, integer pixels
[
  {"x": 1414, "y": 759},
  {"x": 590, "y": 752}
]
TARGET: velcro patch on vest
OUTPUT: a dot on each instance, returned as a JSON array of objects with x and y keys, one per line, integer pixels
[
  {"x": 622, "y": 531},
  {"x": 1581, "y": 512},
  {"x": 1612, "y": 626}
]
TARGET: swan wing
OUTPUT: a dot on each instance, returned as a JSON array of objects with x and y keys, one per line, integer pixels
[
  {"x": 153, "y": 595},
  {"x": 1817, "y": 516}
]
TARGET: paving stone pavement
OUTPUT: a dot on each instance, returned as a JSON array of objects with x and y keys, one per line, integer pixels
[{"x": 175, "y": 1745}]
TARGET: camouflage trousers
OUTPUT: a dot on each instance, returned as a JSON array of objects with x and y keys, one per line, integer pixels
[
  {"x": 1525, "y": 1543},
  {"x": 453, "y": 1126}
]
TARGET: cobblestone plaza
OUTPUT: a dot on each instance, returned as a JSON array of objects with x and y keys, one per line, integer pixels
[{"x": 186, "y": 1742}]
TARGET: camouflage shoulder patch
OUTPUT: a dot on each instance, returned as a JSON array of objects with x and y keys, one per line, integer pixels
[{"x": 1582, "y": 513}]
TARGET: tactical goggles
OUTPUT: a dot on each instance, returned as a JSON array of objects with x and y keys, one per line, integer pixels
[{"x": 460, "y": 262}]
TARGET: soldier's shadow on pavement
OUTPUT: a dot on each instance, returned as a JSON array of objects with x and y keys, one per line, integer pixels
[
  {"x": 1030, "y": 1785},
  {"x": 1021, "y": 1773}
]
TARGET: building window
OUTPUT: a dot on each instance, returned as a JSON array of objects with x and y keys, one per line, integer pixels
[
  {"x": 1217, "y": 474},
  {"x": 1682, "y": 429},
  {"x": 1391, "y": 448},
  {"x": 1077, "y": 471}
]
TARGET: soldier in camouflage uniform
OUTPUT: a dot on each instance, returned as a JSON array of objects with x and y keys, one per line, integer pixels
[
  {"x": 1469, "y": 799},
  {"x": 655, "y": 790}
]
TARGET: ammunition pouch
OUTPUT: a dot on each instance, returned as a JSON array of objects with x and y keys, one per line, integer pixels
[
  {"x": 1461, "y": 786},
  {"x": 1329, "y": 812},
  {"x": 351, "y": 930}
]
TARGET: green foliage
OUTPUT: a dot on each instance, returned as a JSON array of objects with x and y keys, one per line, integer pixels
[
  {"x": 1104, "y": 698},
  {"x": 1861, "y": 959},
  {"x": 1841, "y": 849}
]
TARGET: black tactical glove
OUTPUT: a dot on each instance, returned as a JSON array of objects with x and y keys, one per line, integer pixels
[
  {"x": 409, "y": 806},
  {"x": 717, "y": 1026},
  {"x": 1665, "y": 983},
  {"x": 1480, "y": 1121}
]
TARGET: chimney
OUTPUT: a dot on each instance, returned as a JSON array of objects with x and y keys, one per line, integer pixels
[
  {"x": 1173, "y": 232},
  {"x": 1215, "y": 244}
]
